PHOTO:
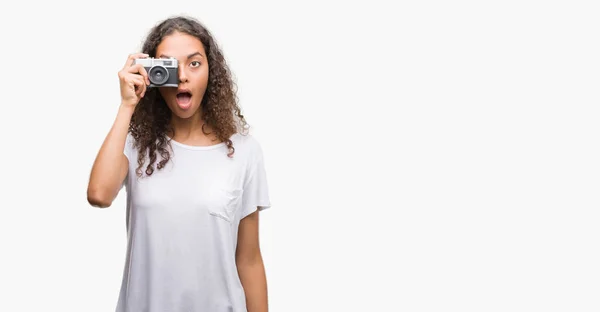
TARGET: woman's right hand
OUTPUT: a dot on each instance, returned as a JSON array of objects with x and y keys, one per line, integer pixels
[{"x": 133, "y": 81}]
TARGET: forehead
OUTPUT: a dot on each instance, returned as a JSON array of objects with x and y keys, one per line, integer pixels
[{"x": 179, "y": 45}]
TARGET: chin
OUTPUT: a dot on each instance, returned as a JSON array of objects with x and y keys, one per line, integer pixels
[{"x": 184, "y": 113}]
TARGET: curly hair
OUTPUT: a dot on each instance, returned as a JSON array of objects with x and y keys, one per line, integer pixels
[{"x": 219, "y": 107}]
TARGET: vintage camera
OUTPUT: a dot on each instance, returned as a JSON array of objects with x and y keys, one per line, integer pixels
[{"x": 162, "y": 72}]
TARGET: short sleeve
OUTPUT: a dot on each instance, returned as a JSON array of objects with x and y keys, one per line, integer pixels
[
  {"x": 256, "y": 190},
  {"x": 128, "y": 146},
  {"x": 128, "y": 152}
]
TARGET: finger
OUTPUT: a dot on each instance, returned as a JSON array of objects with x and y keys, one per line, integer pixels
[
  {"x": 132, "y": 57},
  {"x": 135, "y": 69},
  {"x": 138, "y": 83},
  {"x": 144, "y": 73},
  {"x": 139, "y": 69},
  {"x": 141, "y": 90},
  {"x": 134, "y": 82}
]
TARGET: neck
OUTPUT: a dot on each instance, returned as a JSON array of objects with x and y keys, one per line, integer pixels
[
  {"x": 189, "y": 130},
  {"x": 188, "y": 127}
]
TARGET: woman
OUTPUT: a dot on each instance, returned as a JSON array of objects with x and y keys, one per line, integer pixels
[{"x": 195, "y": 181}]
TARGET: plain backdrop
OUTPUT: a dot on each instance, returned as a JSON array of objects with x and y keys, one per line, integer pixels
[{"x": 421, "y": 155}]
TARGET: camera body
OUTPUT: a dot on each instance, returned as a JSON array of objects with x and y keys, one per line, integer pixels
[{"x": 162, "y": 72}]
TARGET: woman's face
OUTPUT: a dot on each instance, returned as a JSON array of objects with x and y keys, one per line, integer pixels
[{"x": 185, "y": 100}]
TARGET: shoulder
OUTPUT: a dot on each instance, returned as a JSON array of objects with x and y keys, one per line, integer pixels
[
  {"x": 246, "y": 142},
  {"x": 248, "y": 147}
]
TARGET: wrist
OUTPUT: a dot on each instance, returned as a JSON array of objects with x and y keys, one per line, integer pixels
[{"x": 127, "y": 108}]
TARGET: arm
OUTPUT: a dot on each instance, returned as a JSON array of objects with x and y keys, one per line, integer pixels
[
  {"x": 111, "y": 165},
  {"x": 250, "y": 265}
]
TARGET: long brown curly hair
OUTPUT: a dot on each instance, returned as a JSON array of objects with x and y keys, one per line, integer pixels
[{"x": 150, "y": 122}]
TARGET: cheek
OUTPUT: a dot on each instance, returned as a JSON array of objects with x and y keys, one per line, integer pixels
[
  {"x": 203, "y": 74},
  {"x": 201, "y": 80}
]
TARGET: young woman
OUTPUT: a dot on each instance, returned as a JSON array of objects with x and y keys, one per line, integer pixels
[{"x": 195, "y": 182}]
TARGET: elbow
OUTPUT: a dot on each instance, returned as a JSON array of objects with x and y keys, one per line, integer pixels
[
  {"x": 98, "y": 199},
  {"x": 249, "y": 261}
]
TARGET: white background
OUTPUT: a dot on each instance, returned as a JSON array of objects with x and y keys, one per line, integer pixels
[{"x": 421, "y": 156}]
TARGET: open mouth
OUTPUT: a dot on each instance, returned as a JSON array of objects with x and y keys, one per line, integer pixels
[{"x": 184, "y": 99}]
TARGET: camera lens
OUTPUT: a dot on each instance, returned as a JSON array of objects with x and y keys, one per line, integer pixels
[{"x": 158, "y": 75}]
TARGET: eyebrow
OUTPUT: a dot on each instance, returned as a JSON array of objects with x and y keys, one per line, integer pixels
[{"x": 189, "y": 56}]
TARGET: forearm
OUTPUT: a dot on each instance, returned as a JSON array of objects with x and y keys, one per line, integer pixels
[{"x": 254, "y": 281}]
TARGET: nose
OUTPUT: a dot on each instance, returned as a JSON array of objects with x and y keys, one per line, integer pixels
[{"x": 182, "y": 75}]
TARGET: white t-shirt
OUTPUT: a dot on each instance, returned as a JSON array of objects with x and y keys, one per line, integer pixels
[{"x": 182, "y": 224}]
